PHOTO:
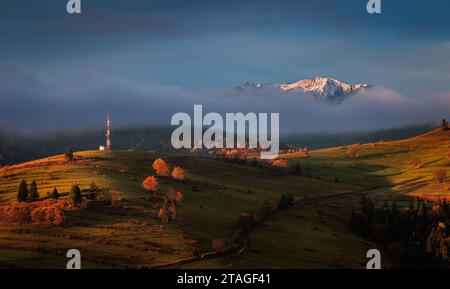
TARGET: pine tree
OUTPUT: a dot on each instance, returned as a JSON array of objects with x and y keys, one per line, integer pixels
[
  {"x": 417, "y": 203},
  {"x": 385, "y": 204},
  {"x": 432, "y": 241},
  {"x": 445, "y": 208},
  {"x": 69, "y": 154},
  {"x": 33, "y": 192},
  {"x": 290, "y": 200},
  {"x": 354, "y": 224},
  {"x": 75, "y": 195},
  {"x": 55, "y": 194},
  {"x": 444, "y": 124},
  {"x": 363, "y": 200},
  {"x": 423, "y": 210},
  {"x": 282, "y": 202},
  {"x": 394, "y": 208},
  {"x": 298, "y": 170},
  {"x": 22, "y": 194},
  {"x": 369, "y": 208},
  {"x": 286, "y": 201},
  {"x": 444, "y": 249}
]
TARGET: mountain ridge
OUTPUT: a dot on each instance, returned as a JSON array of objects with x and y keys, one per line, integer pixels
[{"x": 326, "y": 89}]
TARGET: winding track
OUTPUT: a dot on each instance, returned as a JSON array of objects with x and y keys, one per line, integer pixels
[{"x": 241, "y": 240}]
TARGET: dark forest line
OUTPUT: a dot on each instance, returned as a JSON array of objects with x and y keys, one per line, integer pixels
[{"x": 20, "y": 147}]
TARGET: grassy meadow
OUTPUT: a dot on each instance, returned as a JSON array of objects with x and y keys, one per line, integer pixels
[{"x": 311, "y": 234}]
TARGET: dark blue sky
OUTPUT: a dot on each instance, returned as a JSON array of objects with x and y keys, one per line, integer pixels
[{"x": 197, "y": 44}]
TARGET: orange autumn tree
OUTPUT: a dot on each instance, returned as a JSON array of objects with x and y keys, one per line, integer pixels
[
  {"x": 179, "y": 197},
  {"x": 352, "y": 153},
  {"x": 218, "y": 245},
  {"x": 161, "y": 168},
  {"x": 178, "y": 174},
  {"x": 280, "y": 163},
  {"x": 150, "y": 184},
  {"x": 168, "y": 209}
]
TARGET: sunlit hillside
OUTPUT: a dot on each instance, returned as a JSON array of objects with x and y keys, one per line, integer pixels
[{"x": 206, "y": 232}]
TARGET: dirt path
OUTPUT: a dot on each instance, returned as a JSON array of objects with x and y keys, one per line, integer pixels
[{"x": 241, "y": 240}]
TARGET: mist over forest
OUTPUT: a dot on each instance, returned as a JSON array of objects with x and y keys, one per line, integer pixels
[{"x": 19, "y": 147}]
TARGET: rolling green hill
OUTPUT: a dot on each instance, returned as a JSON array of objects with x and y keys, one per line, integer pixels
[
  {"x": 315, "y": 233},
  {"x": 311, "y": 234}
]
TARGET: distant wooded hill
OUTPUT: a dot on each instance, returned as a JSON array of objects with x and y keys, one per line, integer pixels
[
  {"x": 20, "y": 147},
  {"x": 333, "y": 139}
]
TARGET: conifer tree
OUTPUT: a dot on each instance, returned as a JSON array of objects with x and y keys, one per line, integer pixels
[
  {"x": 423, "y": 210},
  {"x": 33, "y": 192},
  {"x": 363, "y": 199},
  {"x": 298, "y": 170},
  {"x": 22, "y": 194},
  {"x": 286, "y": 201},
  {"x": 385, "y": 204},
  {"x": 69, "y": 154},
  {"x": 55, "y": 194},
  {"x": 75, "y": 195},
  {"x": 444, "y": 124},
  {"x": 394, "y": 209}
]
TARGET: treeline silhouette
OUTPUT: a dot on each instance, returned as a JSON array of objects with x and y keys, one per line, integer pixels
[
  {"x": 417, "y": 236},
  {"x": 332, "y": 139},
  {"x": 19, "y": 147}
]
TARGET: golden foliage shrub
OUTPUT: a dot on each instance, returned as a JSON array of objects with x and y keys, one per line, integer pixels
[
  {"x": 109, "y": 198},
  {"x": 150, "y": 183},
  {"x": 178, "y": 174},
  {"x": 179, "y": 197},
  {"x": 437, "y": 210},
  {"x": 161, "y": 168},
  {"x": 172, "y": 211},
  {"x": 218, "y": 245},
  {"x": 163, "y": 215},
  {"x": 16, "y": 213},
  {"x": 48, "y": 212},
  {"x": 38, "y": 215},
  {"x": 280, "y": 163},
  {"x": 173, "y": 196}
]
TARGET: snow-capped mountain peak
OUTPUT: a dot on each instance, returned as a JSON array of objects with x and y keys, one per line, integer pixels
[
  {"x": 324, "y": 87},
  {"x": 321, "y": 88}
]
